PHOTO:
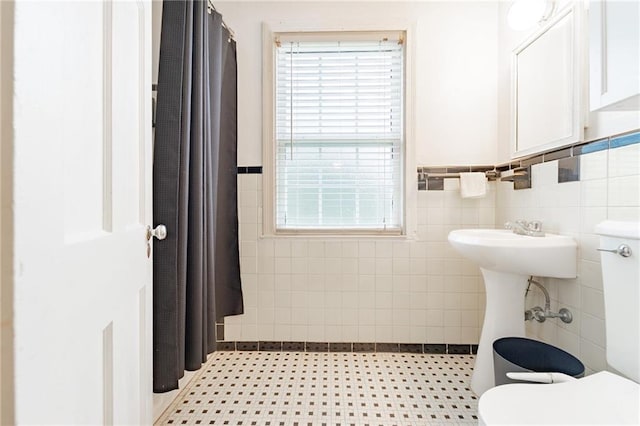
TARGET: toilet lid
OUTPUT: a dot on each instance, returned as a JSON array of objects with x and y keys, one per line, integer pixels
[{"x": 602, "y": 398}]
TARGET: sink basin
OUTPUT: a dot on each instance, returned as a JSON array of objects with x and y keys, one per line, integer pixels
[
  {"x": 502, "y": 250},
  {"x": 506, "y": 261}
]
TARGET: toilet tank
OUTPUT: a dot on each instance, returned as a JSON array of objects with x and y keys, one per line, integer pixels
[{"x": 621, "y": 286}]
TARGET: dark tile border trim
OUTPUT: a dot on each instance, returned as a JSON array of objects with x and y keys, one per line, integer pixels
[
  {"x": 387, "y": 347},
  {"x": 523, "y": 182},
  {"x": 533, "y": 160},
  {"x": 432, "y": 170},
  {"x": 577, "y": 149},
  {"x": 459, "y": 349},
  {"x": 595, "y": 146},
  {"x": 247, "y": 346},
  {"x": 219, "y": 332},
  {"x": 567, "y": 153},
  {"x": 435, "y": 184},
  {"x": 569, "y": 169},
  {"x": 270, "y": 346},
  {"x": 293, "y": 346},
  {"x": 556, "y": 155},
  {"x": 482, "y": 168},
  {"x": 455, "y": 169},
  {"x": 249, "y": 170},
  {"x": 381, "y": 347},
  {"x": 435, "y": 348},
  {"x": 432, "y": 178},
  {"x": 458, "y": 169},
  {"x": 552, "y": 155},
  {"x": 624, "y": 140},
  {"x": 364, "y": 347},
  {"x": 340, "y": 347},
  {"x": 412, "y": 348},
  {"x": 226, "y": 346},
  {"x": 317, "y": 346}
]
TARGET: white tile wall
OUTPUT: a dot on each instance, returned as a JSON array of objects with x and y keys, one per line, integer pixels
[
  {"x": 420, "y": 290},
  {"x": 609, "y": 188},
  {"x": 362, "y": 289}
]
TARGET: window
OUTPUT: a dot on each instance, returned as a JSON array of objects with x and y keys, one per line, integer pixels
[{"x": 339, "y": 131}]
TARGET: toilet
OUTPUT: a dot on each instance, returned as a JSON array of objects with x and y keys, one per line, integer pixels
[{"x": 600, "y": 398}]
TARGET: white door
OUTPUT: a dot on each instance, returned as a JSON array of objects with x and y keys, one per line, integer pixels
[{"x": 82, "y": 202}]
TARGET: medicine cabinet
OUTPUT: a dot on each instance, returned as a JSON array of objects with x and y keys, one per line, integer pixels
[
  {"x": 547, "y": 106},
  {"x": 614, "y": 55}
]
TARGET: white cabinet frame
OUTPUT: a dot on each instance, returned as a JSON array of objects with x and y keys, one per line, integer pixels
[
  {"x": 614, "y": 55},
  {"x": 534, "y": 105}
]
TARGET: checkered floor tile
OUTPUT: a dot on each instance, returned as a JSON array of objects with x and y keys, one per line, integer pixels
[{"x": 327, "y": 389}]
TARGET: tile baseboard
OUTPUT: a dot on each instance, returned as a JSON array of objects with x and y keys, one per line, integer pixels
[{"x": 382, "y": 347}]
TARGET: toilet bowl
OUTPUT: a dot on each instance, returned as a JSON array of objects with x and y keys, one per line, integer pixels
[{"x": 604, "y": 397}]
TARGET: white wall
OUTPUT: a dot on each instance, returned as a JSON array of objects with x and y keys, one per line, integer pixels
[{"x": 455, "y": 70}]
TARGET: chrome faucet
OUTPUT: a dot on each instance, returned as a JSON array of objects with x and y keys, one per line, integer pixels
[{"x": 523, "y": 227}]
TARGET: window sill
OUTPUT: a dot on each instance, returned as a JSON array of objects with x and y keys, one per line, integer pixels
[{"x": 338, "y": 234}]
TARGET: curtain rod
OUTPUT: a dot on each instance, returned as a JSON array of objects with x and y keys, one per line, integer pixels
[{"x": 210, "y": 8}]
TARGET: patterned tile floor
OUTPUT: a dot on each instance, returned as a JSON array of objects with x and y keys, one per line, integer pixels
[{"x": 327, "y": 389}]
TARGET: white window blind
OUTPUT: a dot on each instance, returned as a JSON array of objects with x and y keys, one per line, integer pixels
[{"x": 339, "y": 134}]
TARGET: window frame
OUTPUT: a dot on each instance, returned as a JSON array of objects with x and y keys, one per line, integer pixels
[{"x": 269, "y": 143}]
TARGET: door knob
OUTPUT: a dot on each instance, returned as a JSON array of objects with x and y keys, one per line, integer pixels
[{"x": 160, "y": 232}]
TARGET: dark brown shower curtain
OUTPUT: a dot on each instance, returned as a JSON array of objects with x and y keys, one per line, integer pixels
[{"x": 196, "y": 269}]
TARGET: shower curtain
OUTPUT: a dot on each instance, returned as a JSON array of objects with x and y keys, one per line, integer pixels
[{"x": 196, "y": 269}]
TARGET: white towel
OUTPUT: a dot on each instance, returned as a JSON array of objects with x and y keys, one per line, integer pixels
[{"x": 473, "y": 185}]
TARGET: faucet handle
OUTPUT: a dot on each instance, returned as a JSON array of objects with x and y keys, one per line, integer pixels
[{"x": 535, "y": 225}]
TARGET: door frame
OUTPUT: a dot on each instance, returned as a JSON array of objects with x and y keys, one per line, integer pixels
[{"x": 6, "y": 213}]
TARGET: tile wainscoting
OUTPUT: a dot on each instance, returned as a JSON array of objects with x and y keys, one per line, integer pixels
[
  {"x": 417, "y": 290},
  {"x": 399, "y": 290},
  {"x": 608, "y": 188}
]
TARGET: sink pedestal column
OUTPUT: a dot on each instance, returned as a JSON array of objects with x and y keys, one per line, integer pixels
[{"x": 503, "y": 317}]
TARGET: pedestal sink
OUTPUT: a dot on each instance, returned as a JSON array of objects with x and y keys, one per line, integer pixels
[{"x": 507, "y": 260}]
